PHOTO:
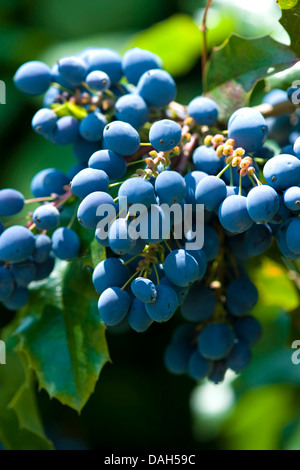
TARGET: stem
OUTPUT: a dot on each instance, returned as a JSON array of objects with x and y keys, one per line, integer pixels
[
  {"x": 257, "y": 180},
  {"x": 115, "y": 184},
  {"x": 268, "y": 110},
  {"x": 168, "y": 246},
  {"x": 134, "y": 163},
  {"x": 203, "y": 28},
  {"x": 156, "y": 274},
  {"x": 231, "y": 176},
  {"x": 252, "y": 181},
  {"x": 72, "y": 219},
  {"x": 240, "y": 185},
  {"x": 61, "y": 201},
  {"x": 145, "y": 144},
  {"x": 40, "y": 199},
  {"x": 133, "y": 258},
  {"x": 223, "y": 171},
  {"x": 130, "y": 279},
  {"x": 32, "y": 226}
]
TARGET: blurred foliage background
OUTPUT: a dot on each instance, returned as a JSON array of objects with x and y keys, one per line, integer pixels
[{"x": 137, "y": 404}]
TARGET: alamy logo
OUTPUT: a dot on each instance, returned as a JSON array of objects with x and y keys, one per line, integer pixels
[
  {"x": 296, "y": 354},
  {"x": 2, "y": 353},
  {"x": 2, "y": 92},
  {"x": 295, "y": 97}
]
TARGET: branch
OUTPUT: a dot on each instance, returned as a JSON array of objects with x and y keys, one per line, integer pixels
[
  {"x": 269, "y": 110},
  {"x": 203, "y": 28}
]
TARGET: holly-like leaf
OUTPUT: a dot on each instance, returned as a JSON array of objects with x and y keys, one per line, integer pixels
[
  {"x": 290, "y": 21},
  {"x": 62, "y": 335},
  {"x": 246, "y": 61},
  {"x": 230, "y": 97},
  {"x": 20, "y": 424},
  {"x": 287, "y": 4}
]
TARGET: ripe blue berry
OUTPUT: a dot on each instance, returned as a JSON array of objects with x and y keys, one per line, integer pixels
[
  {"x": 88, "y": 181},
  {"x": 33, "y": 78},
  {"x": 92, "y": 126},
  {"x": 113, "y": 305},
  {"x": 203, "y": 110},
  {"x": 113, "y": 164},
  {"x": 121, "y": 138},
  {"x": 164, "y": 307},
  {"x": 11, "y": 202},
  {"x": 216, "y": 341},
  {"x": 65, "y": 243},
  {"x": 132, "y": 109},
  {"x": 46, "y": 217},
  {"x": 16, "y": 244},
  {"x": 157, "y": 87},
  {"x": 136, "y": 62},
  {"x": 164, "y": 135}
]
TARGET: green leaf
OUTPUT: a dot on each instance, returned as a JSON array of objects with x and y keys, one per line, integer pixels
[
  {"x": 20, "y": 424},
  {"x": 230, "y": 97},
  {"x": 246, "y": 61},
  {"x": 258, "y": 419},
  {"x": 177, "y": 40},
  {"x": 62, "y": 335},
  {"x": 287, "y": 4},
  {"x": 290, "y": 21}
]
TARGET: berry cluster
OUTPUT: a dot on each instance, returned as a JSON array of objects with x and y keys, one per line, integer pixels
[{"x": 119, "y": 114}]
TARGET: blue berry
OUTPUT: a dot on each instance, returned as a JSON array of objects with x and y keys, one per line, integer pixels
[
  {"x": 137, "y": 191},
  {"x": 170, "y": 187},
  {"x": 88, "y": 181},
  {"x": 181, "y": 292},
  {"x": 47, "y": 182},
  {"x": 248, "y": 128},
  {"x": 164, "y": 307},
  {"x": 66, "y": 131},
  {"x": 92, "y": 126},
  {"x": 11, "y": 202},
  {"x": 51, "y": 96},
  {"x": 203, "y": 110},
  {"x": 258, "y": 239},
  {"x": 132, "y": 109},
  {"x": 211, "y": 243},
  {"x": 6, "y": 283},
  {"x": 109, "y": 273},
  {"x": 73, "y": 70},
  {"x": 241, "y": 297},
  {"x": 113, "y": 305},
  {"x": 83, "y": 150},
  {"x": 199, "y": 305},
  {"x": 44, "y": 121},
  {"x": 119, "y": 238},
  {"x": 248, "y": 329},
  {"x": 181, "y": 268},
  {"x": 136, "y": 62},
  {"x": 239, "y": 357},
  {"x": 216, "y": 341},
  {"x": 210, "y": 191},
  {"x": 107, "y": 61},
  {"x": 16, "y": 244},
  {"x": 144, "y": 289},
  {"x": 44, "y": 269},
  {"x": 56, "y": 77},
  {"x": 206, "y": 159},
  {"x": 282, "y": 171},
  {"x": 262, "y": 203},
  {"x": 138, "y": 318},
  {"x": 200, "y": 257},
  {"x": 24, "y": 273},
  {"x": 46, "y": 217},
  {"x": 281, "y": 238},
  {"x": 218, "y": 372},
  {"x": 233, "y": 214},
  {"x": 191, "y": 180},
  {"x": 17, "y": 299},
  {"x": 291, "y": 198},
  {"x": 98, "y": 80},
  {"x": 88, "y": 208},
  {"x": 177, "y": 357},
  {"x": 65, "y": 243},
  {"x": 157, "y": 87},
  {"x": 33, "y": 78},
  {"x": 164, "y": 135},
  {"x": 113, "y": 164},
  {"x": 293, "y": 236},
  {"x": 199, "y": 367},
  {"x": 121, "y": 138},
  {"x": 275, "y": 96},
  {"x": 42, "y": 249},
  {"x": 296, "y": 147}
]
